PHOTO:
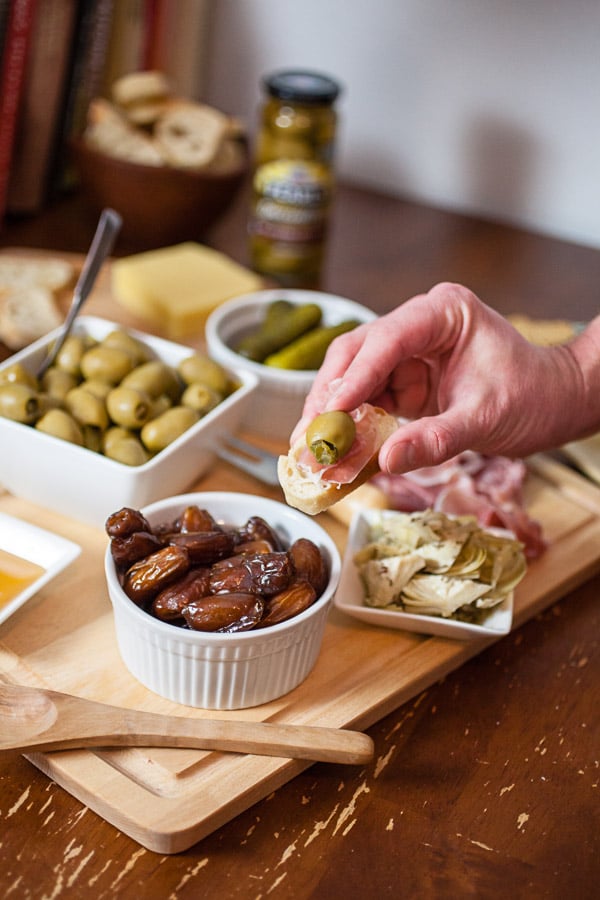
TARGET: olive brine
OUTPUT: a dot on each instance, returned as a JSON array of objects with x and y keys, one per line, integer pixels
[
  {"x": 198, "y": 574},
  {"x": 113, "y": 396}
]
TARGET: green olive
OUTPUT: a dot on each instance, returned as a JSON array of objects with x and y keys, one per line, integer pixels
[
  {"x": 58, "y": 382},
  {"x": 19, "y": 402},
  {"x": 203, "y": 369},
  {"x": 92, "y": 438},
  {"x": 86, "y": 408},
  {"x": 106, "y": 363},
  {"x": 330, "y": 436},
  {"x": 71, "y": 353},
  {"x": 162, "y": 431},
  {"x": 48, "y": 402},
  {"x": 129, "y": 407},
  {"x": 112, "y": 435},
  {"x": 128, "y": 450},
  {"x": 125, "y": 341},
  {"x": 18, "y": 374},
  {"x": 59, "y": 423},
  {"x": 97, "y": 387},
  {"x": 201, "y": 398},
  {"x": 155, "y": 378},
  {"x": 160, "y": 405}
]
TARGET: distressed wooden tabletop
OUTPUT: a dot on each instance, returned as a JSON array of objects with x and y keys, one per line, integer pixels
[{"x": 486, "y": 784}]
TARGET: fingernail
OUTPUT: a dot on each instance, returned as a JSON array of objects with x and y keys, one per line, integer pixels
[{"x": 400, "y": 458}]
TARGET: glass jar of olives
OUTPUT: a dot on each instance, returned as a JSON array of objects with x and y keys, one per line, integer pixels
[{"x": 293, "y": 177}]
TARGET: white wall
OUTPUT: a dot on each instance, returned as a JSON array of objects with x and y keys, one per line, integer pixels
[{"x": 484, "y": 106}]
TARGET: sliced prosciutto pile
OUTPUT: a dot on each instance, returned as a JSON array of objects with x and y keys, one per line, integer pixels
[{"x": 487, "y": 487}]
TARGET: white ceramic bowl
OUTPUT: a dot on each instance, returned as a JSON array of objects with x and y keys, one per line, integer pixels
[
  {"x": 277, "y": 405},
  {"x": 87, "y": 486},
  {"x": 350, "y": 598},
  {"x": 225, "y": 671}
]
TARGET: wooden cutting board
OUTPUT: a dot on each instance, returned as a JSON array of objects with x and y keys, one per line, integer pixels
[{"x": 169, "y": 799}]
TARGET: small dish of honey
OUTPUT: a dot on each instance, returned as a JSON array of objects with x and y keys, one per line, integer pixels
[{"x": 30, "y": 557}]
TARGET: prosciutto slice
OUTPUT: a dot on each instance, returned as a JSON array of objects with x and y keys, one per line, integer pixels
[{"x": 487, "y": 487}]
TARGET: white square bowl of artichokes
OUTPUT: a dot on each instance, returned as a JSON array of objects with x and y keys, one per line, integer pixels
[{"x": 430, "y": 573}]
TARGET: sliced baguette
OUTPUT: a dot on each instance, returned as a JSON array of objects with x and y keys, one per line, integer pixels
[
  {"x": 26, "y": 314},
  {"x": 312, "y": 494}
]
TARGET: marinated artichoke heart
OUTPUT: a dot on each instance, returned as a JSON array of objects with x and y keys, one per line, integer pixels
[{"x": 436, "y": 565}]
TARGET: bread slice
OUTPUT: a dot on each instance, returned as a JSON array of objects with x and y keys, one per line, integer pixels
[
  {"x": 26, "y": 314},
  {"x": 312, "y": 493}
]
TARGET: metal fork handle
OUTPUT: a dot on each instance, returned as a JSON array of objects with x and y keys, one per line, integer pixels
[{"x": 107, "y": 229}]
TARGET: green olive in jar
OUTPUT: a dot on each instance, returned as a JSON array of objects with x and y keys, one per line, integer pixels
[
  {"x": 59, "y": 423},
  {"x": 106, "y": 363},
  {"x": 19, "y": 402},
  {"x": 86, "y": 408},
  {"x": 155, "y": 378},
  {"x": 330, "y": 436},
  {"x": 162, "y": 431},
  {"x": 129, "y": 407},
  {"x": 203, "y": 369}
]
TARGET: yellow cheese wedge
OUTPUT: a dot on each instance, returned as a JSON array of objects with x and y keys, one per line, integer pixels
[{"x": 175, "y": 288}]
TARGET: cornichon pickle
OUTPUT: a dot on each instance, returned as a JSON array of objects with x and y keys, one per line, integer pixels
[
  {"x": 308, "y": 351},
  {"x": 19, "y": 402},
  {"x": 330, "y": 436},
  {"x": 271, "y": 337}
]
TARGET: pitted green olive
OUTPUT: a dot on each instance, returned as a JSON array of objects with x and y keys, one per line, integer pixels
[
  {"x": 71, "y": 353},
  {"x": 19, "y": 402},
  {"x": 155, "y": 378},
  {"x": 129, "y": 407},
  {"x": 128, "y": 450},
  {"x": 106, "y": 363},
  {"x": 58, "y": 382},
  {"x": 18, "y": 374},
  {"x": 201, "y": 398},
  {"x": 92, "y": 438},
  {"x": 122, "y": 340},
  {"x": 114, "y": 434},
  {"x": 203, "y": 369},
  {"x": 160, "y": 405},
  {"x": 330, "y": 436},
  {"x": 97, "y": 387},
  {"x": 61, "y": 424},
  {"x": 162, "y": 431},
  {"x": 86, "y": 408}
]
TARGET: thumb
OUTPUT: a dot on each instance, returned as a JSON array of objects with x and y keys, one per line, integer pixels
[{"x": 424, "y": 442}]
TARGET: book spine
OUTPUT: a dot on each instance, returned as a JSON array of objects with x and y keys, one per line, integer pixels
[{"x": 19, "y": 31}]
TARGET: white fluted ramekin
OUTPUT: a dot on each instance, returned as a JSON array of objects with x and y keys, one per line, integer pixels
[{"x": 209, "y": 670}]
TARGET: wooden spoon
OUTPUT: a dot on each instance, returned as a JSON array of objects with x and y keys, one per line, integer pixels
[{"x": 36, "y": 719}]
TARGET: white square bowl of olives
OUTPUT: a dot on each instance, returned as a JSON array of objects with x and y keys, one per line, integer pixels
[
  {"x": 85, "y": 457},
  {"x": 212, "y": 624},
  {"x": 279, "y": 336}
]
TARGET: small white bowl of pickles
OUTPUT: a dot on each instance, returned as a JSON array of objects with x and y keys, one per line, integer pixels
[
  {"x": 279, "y": 336},
  {"x": 86, "y": 459}
]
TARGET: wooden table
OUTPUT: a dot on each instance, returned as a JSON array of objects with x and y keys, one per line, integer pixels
[{"x": 484, "y": 785}]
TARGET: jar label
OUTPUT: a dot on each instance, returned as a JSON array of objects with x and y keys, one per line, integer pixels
[{"x": 291, "y": 200}]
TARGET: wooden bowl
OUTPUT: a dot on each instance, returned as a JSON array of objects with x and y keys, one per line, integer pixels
[{"x": 160, "y": 205}]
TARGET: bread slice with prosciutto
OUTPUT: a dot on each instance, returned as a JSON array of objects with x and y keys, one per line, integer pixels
[{"x": 312, "y": 487}]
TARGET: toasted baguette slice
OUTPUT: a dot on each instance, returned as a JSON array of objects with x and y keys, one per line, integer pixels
[
  {"x": 312, "y": 493},
  {"x": 26, "y": 314}
]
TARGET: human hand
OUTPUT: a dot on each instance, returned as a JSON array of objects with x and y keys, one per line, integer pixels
[{"x": 462, "y": 375}]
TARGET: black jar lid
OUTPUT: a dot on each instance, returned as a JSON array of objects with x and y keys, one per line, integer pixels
[{"x": 302, "y": 86}]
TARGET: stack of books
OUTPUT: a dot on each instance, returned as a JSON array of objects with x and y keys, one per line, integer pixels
[{"x": 57, "y": 55}]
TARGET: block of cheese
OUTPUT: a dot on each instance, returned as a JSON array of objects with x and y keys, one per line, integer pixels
[{"x": 175, "y": 288}]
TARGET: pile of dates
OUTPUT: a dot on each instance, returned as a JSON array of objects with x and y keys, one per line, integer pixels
[{"x": 195, "y": 573}]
